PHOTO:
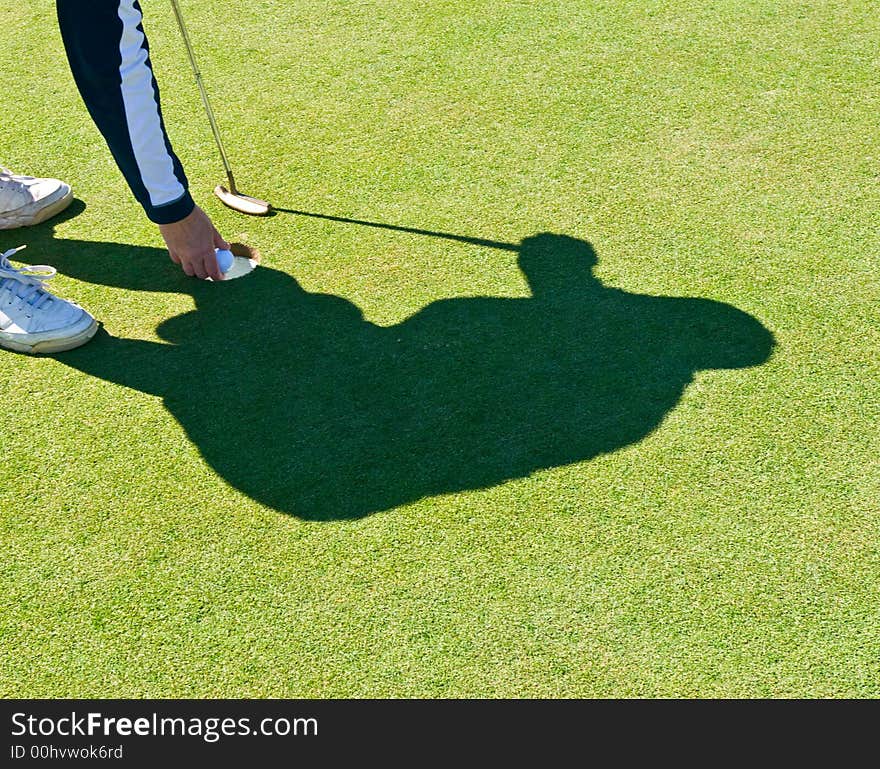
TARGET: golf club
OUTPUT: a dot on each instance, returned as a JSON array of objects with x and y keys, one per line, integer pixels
[{"x": 230, "y": 196}]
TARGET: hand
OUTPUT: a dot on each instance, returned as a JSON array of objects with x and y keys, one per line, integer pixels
[{"x": 191, "y": 243}]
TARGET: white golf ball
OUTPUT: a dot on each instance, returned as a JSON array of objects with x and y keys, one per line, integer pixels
[{"x": 225, "y": 259}]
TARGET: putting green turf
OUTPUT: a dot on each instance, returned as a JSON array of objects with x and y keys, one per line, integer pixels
[{"x": 380, "y": 466}]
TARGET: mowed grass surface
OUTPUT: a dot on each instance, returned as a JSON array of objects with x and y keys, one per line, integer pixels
[{"x": 596, "y": 529}]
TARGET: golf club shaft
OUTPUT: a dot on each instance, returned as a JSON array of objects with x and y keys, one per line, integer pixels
[{"x": 204, "y": 93}]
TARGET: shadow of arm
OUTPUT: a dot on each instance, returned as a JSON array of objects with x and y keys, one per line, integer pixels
[{"x": 720, "y": 336}]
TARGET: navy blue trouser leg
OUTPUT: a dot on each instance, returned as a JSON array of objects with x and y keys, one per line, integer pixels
[{"x": 110, "y": 60}]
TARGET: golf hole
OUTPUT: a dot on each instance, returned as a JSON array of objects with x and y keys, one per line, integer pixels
[{"x": 246, "y": 259}]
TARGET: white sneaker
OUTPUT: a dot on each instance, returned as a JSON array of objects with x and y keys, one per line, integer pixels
[
  {"x": 27, "y": 200},
  {"x": 32, "y": 319}
]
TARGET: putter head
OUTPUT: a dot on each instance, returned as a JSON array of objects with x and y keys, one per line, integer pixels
[{"x": 244, "y": 204}]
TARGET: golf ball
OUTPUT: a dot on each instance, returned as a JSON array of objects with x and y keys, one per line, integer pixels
[{"x": 225, "y": 259}]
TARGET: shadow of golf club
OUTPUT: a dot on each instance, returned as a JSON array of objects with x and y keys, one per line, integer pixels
[
  {"x": 397, "y": 228},
  {"x": 300, "y": 403}
]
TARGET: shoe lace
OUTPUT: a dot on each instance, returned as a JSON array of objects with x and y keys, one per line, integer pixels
[
  {"x": 10, "y": 179},
  {"x": 26, "y": 283}
]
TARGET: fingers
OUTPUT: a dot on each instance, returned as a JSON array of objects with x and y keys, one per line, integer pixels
[
  {"x": 212, "y": 268},
  {"x": 191, "y": 243},
  {"x": 198, "y": 265},
  {"x": 204, "y": 265},
  {"x": 188, "y": 268},
  {"x": 185, "y": 264},
  {"x": 220, "y": 242}
]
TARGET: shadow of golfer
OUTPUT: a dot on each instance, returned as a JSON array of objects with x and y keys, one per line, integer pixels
[{"x": 299, "y": 402}]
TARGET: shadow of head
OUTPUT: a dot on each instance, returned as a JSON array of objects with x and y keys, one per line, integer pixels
[{"x": 555, "y": 255}]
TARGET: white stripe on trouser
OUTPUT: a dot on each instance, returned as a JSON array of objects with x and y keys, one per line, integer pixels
[{"x": 156, "y": 166}]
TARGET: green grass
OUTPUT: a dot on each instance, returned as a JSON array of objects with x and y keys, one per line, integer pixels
[{"x": 441, "y": 456}]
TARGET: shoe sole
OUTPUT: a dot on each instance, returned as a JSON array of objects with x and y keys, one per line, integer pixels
[
  {"x": 49, "y": 346},
  {"x": 27, "y": 216}
]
